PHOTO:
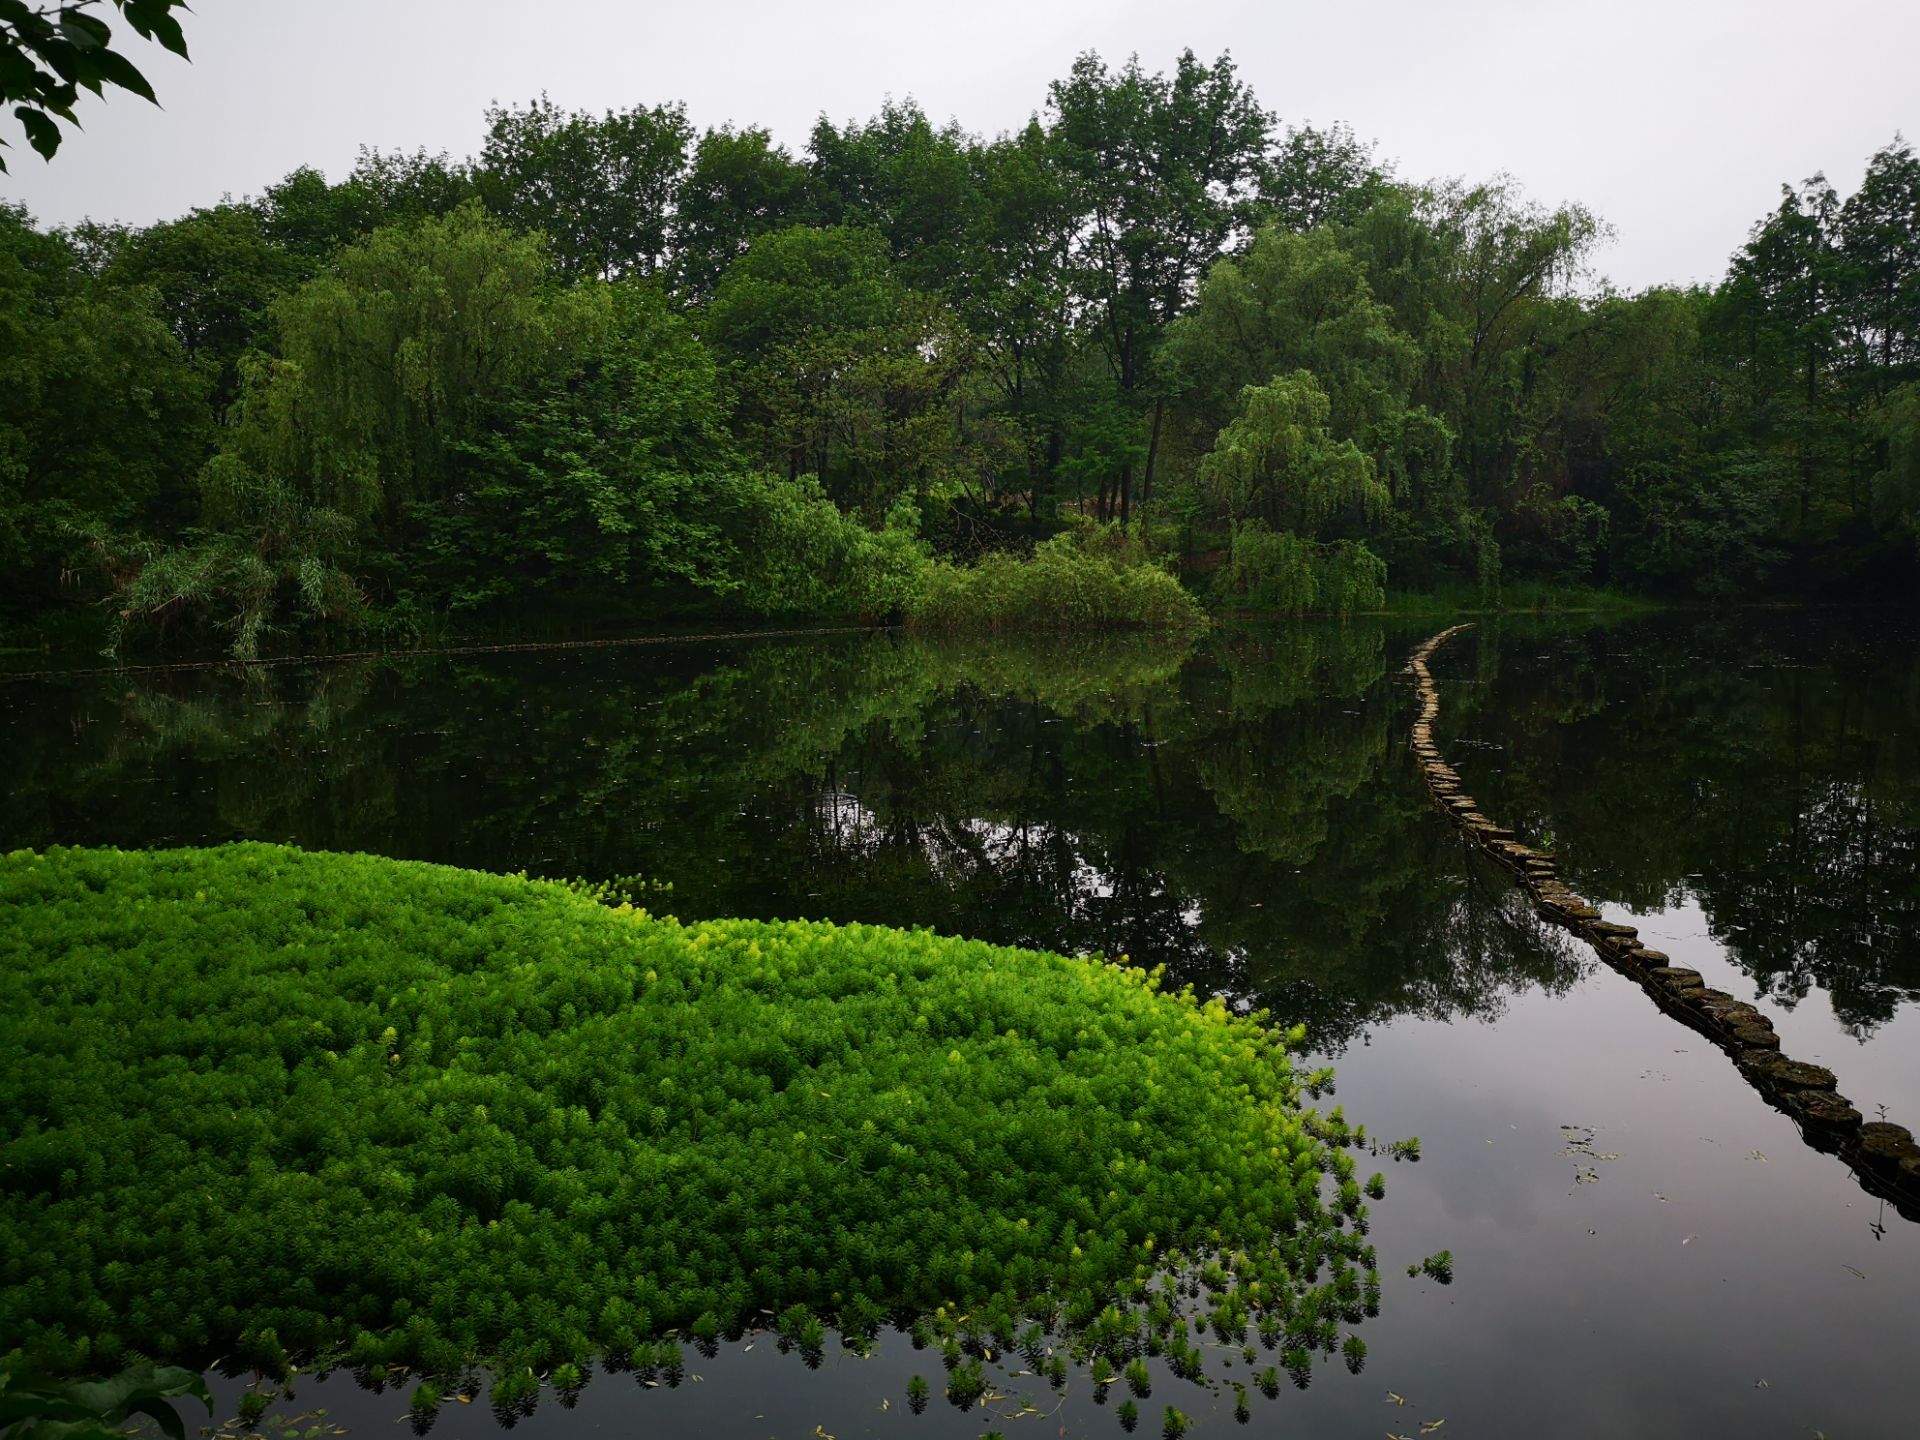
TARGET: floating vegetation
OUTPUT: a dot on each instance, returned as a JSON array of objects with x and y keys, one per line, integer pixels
[{"x": 276, "y": 1105}]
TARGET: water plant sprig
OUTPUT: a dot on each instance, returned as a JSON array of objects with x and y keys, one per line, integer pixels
[{"x": 447, "y": 1092}]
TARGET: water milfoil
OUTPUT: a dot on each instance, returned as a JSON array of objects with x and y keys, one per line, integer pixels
[{"x": 275, "y": 1104}]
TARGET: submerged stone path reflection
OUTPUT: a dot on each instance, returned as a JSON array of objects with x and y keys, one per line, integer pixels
[{"x": 1884, "y": 1157}]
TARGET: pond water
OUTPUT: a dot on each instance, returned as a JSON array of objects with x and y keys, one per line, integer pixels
[{"x": 1640, "y": 1243}]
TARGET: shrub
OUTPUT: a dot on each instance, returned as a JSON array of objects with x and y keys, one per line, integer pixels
[
  {"x": 1089, "y": 576},
  {"x": 807, "y": 558}
]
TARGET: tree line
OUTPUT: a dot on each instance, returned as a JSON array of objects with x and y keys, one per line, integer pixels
[{"x": 617, "y": 367}]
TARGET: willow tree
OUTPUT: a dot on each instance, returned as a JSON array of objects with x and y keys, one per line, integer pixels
[
  {"x": 385, "y": 367},
  {"x": 1302, "y": 302},
  {"x": 1297, "y": 498},
  {"x": 385, "y": 362}
]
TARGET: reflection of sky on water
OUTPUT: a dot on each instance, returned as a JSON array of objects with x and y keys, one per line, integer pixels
[
  {"x": 1877, "y": 1066},
  {"x": 1651, "y": 1301}
]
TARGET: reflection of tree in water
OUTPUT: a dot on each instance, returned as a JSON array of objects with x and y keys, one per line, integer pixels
[
  {"x": 107, "y": 760},
  {"x": 1761, "y": 766},
  {"x": 1242, "y": 815}
]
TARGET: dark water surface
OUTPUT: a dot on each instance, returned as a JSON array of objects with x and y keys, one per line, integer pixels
[{"x": 1641, "y": 1245}]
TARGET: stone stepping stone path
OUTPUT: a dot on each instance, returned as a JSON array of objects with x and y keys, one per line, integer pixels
[{"x": 1884, "y": 1157}]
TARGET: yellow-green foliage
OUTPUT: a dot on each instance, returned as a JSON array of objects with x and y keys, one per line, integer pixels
[
  {"x": 262, "y": 1102},
  {"x": 1073, "y": 581},
  {"x": 1284, "y": 572}
]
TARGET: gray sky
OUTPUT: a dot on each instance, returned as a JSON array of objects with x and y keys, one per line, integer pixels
[{"x": 1676, "y": 120}]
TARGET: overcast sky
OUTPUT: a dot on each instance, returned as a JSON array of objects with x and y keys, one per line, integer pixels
[{"x": 1677, "y": 120}]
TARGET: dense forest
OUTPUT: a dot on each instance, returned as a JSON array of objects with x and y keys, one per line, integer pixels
[{"x": 613, "y": 368}]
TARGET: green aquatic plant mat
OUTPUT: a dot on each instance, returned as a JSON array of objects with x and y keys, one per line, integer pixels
[{"x": 262, "y": 1104}]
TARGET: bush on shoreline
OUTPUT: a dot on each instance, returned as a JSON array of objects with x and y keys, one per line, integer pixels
[{"x": 1091, "y": 577}]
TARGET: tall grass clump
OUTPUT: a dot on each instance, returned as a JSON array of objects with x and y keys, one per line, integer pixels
[
  {"x": 1086, "y": 577},
  {"x": 267, "y": 1104}
]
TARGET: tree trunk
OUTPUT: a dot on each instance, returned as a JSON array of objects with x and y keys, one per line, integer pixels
[{"x": 1153, "y": 451}]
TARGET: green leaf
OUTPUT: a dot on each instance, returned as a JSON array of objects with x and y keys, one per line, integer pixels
[
  {"x": 17, "y": 75},
  {"x": 60, "y": 55},
  {"x": 122, "y": 72},
  {"x": 154, "y": 20},
  {"x": 58, "y": 100},
  {"x": 84, "y": 31},
  {"x": 42, "y": 133}
]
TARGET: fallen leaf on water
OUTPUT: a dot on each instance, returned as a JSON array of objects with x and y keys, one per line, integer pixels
[
  {"x": 1429, "y": 1426},
  {"x": 1658, "y": 1196},
  {"x": 1396, "y": 1399},
  {"x": 1756, "y": 1155},
  {"x": 1857, "y": 1274},
  {"x": 1761, "y": 1385},
  {"x": 1690, "y": 1239}
]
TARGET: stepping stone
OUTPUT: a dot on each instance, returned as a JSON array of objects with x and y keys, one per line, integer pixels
[
  {"x": 1822, "y": 1108},
  {"x": 1788, "y": 1074}
]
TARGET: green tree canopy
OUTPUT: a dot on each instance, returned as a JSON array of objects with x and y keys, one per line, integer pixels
[
  {"x": 102, "y": 414},
  {"x": 599, "y": 187},
  {"x": 739, "y": 185},
  {"x": 842, "y": 371}
]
